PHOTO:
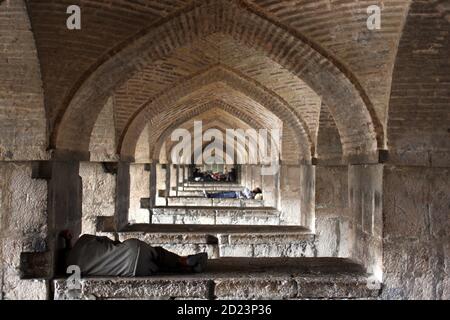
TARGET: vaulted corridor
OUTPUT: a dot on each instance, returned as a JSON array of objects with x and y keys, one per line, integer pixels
[{"x": 306, "y": 153}]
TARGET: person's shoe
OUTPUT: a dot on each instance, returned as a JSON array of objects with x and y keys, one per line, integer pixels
[
  {"x": 198, "y": 262},
  {"x": 205, "y": 194}
]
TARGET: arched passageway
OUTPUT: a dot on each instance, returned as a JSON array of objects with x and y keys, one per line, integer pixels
[{"x": 132, "y": 126}]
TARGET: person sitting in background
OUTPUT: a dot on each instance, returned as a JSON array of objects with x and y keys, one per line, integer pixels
[
  {"x": 244, "y": 194},
  {"x": 101, "y": 256},
  {"x": 231, "y": 175},
  {"x": 197, "y": 174}
]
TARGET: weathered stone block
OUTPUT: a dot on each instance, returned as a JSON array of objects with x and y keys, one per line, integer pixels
[
  {"x": 269, "y": 288},
  {"x": 136, "y": 288}
]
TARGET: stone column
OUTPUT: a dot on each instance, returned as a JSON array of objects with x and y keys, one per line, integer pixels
[
  {"x": 64, "y": 203},
  {"x": 153, "y": 184},
  {"x": 173, "y": 171},
  {"x": 290, "y": 197},
  {"x": 186, "y": 173},
  {"x": 180, "y": 177},
  {"x": 365, "y": 200},
  {"x": 256, "y": 177},
  {"x": 122, "y": 194},
  {"x": 307, "y": 196},
  {"x": 270, "y": 190},
  {"x": 161, "y": 184}
]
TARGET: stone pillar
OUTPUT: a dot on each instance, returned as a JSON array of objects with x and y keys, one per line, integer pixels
[
  {"x": 270, "y": 190},
  {"x": 290, "y": 198},
  {"x": 64, "y": 204},
  {"x": 167, "y": 171},
  {"x": 186, "y": 173},
  {"x": 99, "y": 193},
  {"x": 153, "y": 184},
  {"x": 365, "y": 199},
  {"x": 180, "y": 177},
  {"x": 139, "y": 189},
  {"x": 247, "y": 176},
  {"x": 256, "y": 177},
  {"x": 334, "y": 223},
  {"x": 122, "y": 194},
  {"x": 173, "y": 170},
  {"x": 307, "y": 196},
  {"x": 241, "y": 175},
  {"x": 161, "y": 184}
]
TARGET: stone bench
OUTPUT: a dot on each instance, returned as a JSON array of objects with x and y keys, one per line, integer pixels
[
  {"x": 238, "y": 278},
  {"x": 210, "y": 188},
  {"x": 216, "y": 215},
  {"x": 224, "y": 240},
  {"x": 182, "y": 244},
  {"x": 199, "y": 192},
  {"x": 201, "y": 201},
  {"x": 225, "y": 185}
]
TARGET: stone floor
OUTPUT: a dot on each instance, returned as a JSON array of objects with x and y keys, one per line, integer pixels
[{"x": 238, "y": 278}]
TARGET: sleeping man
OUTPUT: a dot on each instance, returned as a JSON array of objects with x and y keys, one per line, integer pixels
[
  {"x": 244, "y": 194},
  {"x": 100, "y": 256}
]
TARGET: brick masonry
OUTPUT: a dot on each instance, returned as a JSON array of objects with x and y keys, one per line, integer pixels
[
  {"x": 136, "y": 71},
  {"x": 23, "y": 125},
  {"x": 419, "y": 113}
]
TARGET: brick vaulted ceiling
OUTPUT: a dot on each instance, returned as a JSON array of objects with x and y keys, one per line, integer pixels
[{"x": 336, "y": 28}]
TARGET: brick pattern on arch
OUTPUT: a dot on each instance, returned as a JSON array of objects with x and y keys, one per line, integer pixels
[
  {"x": 166, "y": 144},
  {"x": 23, "y": 123},
  {"x": 67, "y": 56},
  {"x": 419, "y": 112},
  {"x": 236, "y": 91},
  {"x": 340, "y": 93},
  {"x": 290, "y": 151},
  {"x": 217, "y": 110},
  {"x": 203, "y": 54},
  {"x": 340, "y": 28}
]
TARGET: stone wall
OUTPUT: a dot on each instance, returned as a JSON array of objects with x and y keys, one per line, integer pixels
[
  {"x": 416, "y": 233},
  {"x": 23, "y": 228}
]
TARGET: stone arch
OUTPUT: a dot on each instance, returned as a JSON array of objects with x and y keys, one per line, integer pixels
[
  {"x": 220, "y": 125},
  {"x": 275, "y": 105},
  {"x": 206, "y": 143},
  {"x": 243, "y": 117},
  {"x": 360, "y": 129},
  {"x": 329, "y": 147}
]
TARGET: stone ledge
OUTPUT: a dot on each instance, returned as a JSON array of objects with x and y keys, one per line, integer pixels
[
  {"x": 210, "y": 229},
  {"x": 168, "y": 287},
  {"x": 157, "y": 238},
  {"x": 181, "y": 244},
  {"x": 210, "y": 202},
  {"x": 265, "y": 238},
  {"x": 239, "y": 278}
]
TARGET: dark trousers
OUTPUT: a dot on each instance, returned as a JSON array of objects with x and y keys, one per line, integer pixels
[
  {"x": 224, "y": 195},
  {"x": 167, "y": 261},
  {"x": 156, "y": 259}
]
